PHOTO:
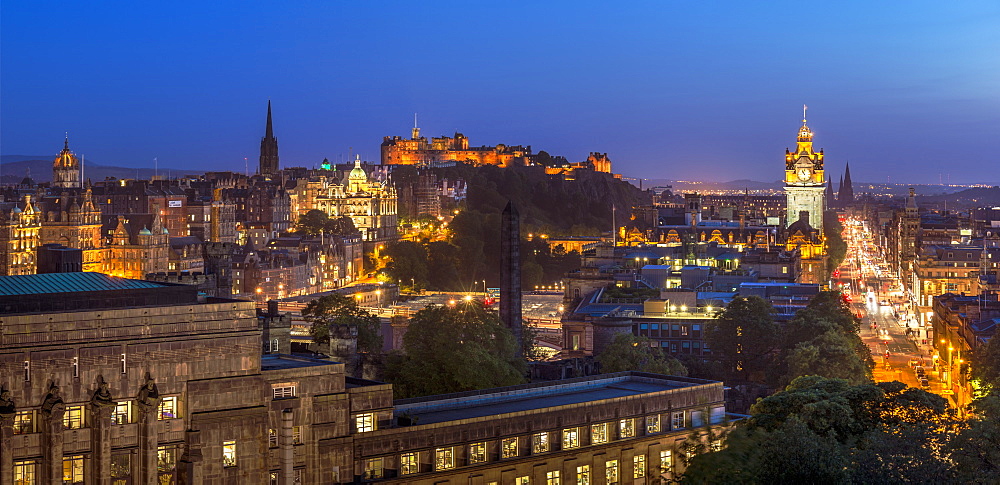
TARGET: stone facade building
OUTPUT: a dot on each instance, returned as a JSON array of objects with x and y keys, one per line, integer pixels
[
  {"x": 417, "y": 150},
  {"x": 169, "y": 387},
  {"x": 20, "y": 224}
]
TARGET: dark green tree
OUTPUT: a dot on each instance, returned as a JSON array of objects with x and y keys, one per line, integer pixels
[
  {"x": 312, "y": 222},
  {"x": 628, "y": 352},
  {"x": 453, "y": 349},
  {"x": 407, "y": 263},
  {"x": 329, "y": 310},
  {"x": 831, "y": 354},
  {"x": 986, "y": 366},
  {"x": 745, "y": 338}
]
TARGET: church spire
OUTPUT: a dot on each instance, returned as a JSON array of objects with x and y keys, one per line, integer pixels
[
  {"x": 268, "y": 132},
  {"x": 268, "y": 148}
]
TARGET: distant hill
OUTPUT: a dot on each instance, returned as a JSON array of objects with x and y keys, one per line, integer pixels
[
  {"x": 976, "y": 197},
  {"x": 13, "y": 169}
]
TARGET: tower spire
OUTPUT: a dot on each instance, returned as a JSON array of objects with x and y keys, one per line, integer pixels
[
  {"x": 66, "y": 142},
  {"x": 268, "y": 132},
  {"x": 804, "y": 108},
  {"x": 416, "y": 130}
]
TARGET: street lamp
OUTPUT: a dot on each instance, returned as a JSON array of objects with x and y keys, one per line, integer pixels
[{"x": 378, "y": 297}]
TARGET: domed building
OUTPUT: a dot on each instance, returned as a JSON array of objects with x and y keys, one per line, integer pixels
[
  {"x": 66, "y": 169},
  {"x": 369, "y": 202}
]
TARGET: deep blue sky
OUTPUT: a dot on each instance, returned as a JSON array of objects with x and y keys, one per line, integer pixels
[{"x": 682, "y": 90}]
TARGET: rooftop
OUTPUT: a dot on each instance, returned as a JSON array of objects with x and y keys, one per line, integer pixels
[
  {"x": 286, "y": 361},
  {"x": 50, "y": 283},
  {"x": 533, "y": 397}
]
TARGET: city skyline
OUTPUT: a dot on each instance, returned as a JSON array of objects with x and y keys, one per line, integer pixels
[{"x": 905, "y": 94}]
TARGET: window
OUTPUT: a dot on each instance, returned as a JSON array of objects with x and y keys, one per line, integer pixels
[
  {"x": 653, "y": 424},
  {"x": 599, "y": 433},
  {"x": 24, "y": 473},
  {"x": 296, "y": 435},
  {"x": 272, "y": 438},
  {"x": 444, "y": 458},
  {"x": 122, "y": 414},
  {"x": 666, "y": 461},
  {"x": 408, "y": 463},
  {"x": 508, "y": 447},
  {"x": 552, "y": 478},
  {"x": 540, "y": 442},
  {"x": 684, "y": 330},
  {"x": 677, "y": 420},
  {"x": 638, "y": 466},
  {"x": 626, "y": 428},
  {"x": 166, "y": 462},
  {"x": 522, "y": 481},
  {"x": 229, "y": 453},
  {"x": 73, "y": 469},
  {"x": 168, "y": 408},
  {"x": 611, "y": 471},
  {"x": 374, "y": 468},
  {"x": 571, "y": 438},
  {"x": 365, "y": 422},
  {"x": 24, "y": 422},
  {"x": 583, "y": 475},
  {"x": 477, "y": 453},
  {"x": 282, "y": 392},
  {"x": 73, "y": 417},
  {"x": 121, "y": 468}
]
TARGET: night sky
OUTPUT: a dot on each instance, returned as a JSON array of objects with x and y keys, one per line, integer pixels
[{"x": 679, "y": 90}]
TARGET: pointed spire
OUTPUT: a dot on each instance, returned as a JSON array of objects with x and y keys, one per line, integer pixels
[
  {"x": 66, "y": 142},
  {"x": 268, "y": 132}
]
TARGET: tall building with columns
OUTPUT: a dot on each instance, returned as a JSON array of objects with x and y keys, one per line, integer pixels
[{"x": 805, "y": 181}]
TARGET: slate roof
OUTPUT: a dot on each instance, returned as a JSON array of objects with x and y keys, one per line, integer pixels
[{"x": 41, "y": 284}]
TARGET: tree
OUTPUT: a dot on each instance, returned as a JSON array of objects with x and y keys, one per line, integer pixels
[
  {"x": 407, "y": 263},
  {"x": 454, "y": 349},
  {"x": 313, "y": 222},
  {"x": 634, "y": 353},
  {"x": 976, "y": 449},
  {"x": 329, "y": 310},
  {"x": 829, "y": 355},
  {"x": 745, "y": 337},
  {"x": 986, "y": 366}
]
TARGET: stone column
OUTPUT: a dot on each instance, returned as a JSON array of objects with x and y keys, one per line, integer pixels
[
  {"x": 189, "y": 467},
  {"x": 286, "y": 443},
  {"x": 53, "y": 409},
  {"x": 7, "y": 412},
  {"x": 148, "y": 401},
  {"x": 101, "y": 406}
]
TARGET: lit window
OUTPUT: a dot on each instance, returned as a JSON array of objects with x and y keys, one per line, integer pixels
[
  {"x": 282, "y": 392},
  {"x": 540, "y": 442},
  {"x": 677, "y": 420},
  {"x": 365, "y": 422},
  {"x": 121, "y": 468},
  {"x": 522, "y": 481},
  {"x": 666, "y": 461},
  {"x": 444, "y": 458},
  {"x": 599, "y": 433},
  {"x": 166, "y": 463},
  {"x": 73, "y": 417},
  {"x": 583, "y": 475},
  {"x": 611, "y": 471},
  {"x": 638, "y": 466},
  {"x": 229, "y": 453},
  {"x": 571, "y": 438},
  {"x": 407, "y": 463},
  {"x": 24, "y": 473},
  {"x": 626, "y": 428},
  {"x": 477, "y": 453},
  {"x": 552, "y": 478},
  {"x": 122, "y": 414},
  {"x": 374, "y": 468},
  {"x": 272, "y": 438},
  {"x": 508, "y": 447},
  {"x": 73, "y": 469},
  {"x": 168, "y": 408},
  {"x": 296, "y": 435},
  {"x": 653, "y": 423},
  {"x": 24, "y": 422}
]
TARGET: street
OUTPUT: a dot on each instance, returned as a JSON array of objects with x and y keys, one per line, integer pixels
[{"x": 897, "y": 343}]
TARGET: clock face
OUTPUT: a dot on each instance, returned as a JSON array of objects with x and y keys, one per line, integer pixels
[{"x": 804, "y": 174}]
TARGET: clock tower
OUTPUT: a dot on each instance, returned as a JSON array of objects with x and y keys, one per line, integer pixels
[{"x": 805, "y": 182}]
